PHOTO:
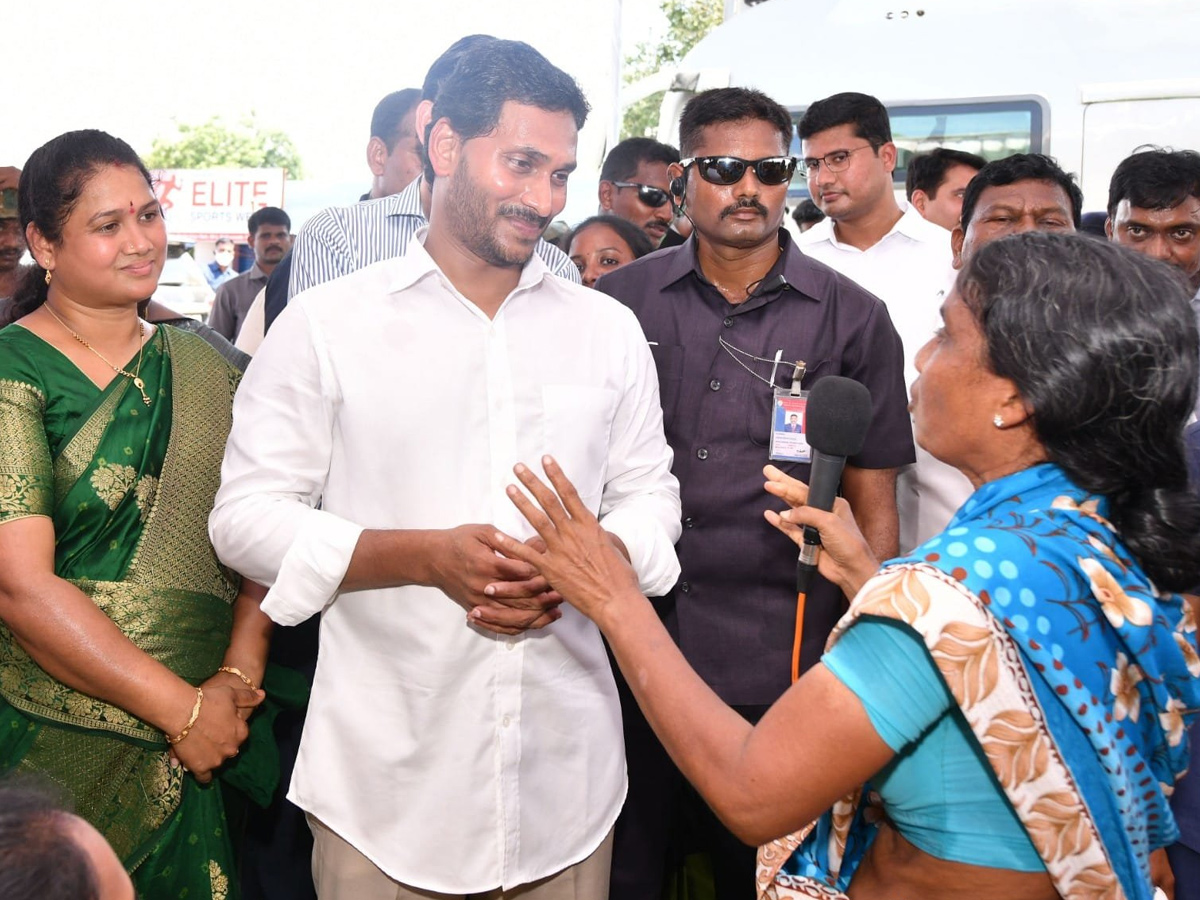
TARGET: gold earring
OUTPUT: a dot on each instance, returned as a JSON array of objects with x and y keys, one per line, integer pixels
[
  {"x": 47, "y": 276},
  {"x": 998, "y": 420}
]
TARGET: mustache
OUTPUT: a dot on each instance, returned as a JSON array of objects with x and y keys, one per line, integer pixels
[
  {"x": 524, "y": 213},
  {"x": 745, "y": 203}
]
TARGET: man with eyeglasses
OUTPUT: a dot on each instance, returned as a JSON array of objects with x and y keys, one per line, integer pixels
[
  {"x": 890, "y": 250},
  {"x": 634, "y": 185},
  {"x": 731, "y": 315}
]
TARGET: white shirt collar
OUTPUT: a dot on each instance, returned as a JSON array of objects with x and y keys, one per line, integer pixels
[
  {"x": 911, "y": 225},
  {"x": 416, "y": 263}
]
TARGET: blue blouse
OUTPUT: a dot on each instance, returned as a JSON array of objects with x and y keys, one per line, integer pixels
[{"x": 939, "y": 791}]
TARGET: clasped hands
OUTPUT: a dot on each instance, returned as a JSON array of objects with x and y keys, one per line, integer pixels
[
  {"x": 220, "y": 729},
  {"x": 500, "y": 594}
]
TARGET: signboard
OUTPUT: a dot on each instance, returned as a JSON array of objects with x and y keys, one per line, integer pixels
[{"x": 206, "y": 204}]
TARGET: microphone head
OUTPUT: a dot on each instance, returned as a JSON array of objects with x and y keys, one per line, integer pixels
[{"x": 838, "y": 416}]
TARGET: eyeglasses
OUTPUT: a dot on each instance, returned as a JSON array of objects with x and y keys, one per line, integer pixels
[
  {"x": 837, "y": 161},
  {"x": 648, "y": 194},
  {"x": 769, "y": 170}
]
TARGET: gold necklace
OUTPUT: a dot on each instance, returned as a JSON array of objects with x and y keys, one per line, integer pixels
[{"x": 135, "y": 375}]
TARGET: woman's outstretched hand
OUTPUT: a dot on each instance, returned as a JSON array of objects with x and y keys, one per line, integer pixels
[
  {"x": 580, "y": 560},
  {"x": 845, "y": 559}
]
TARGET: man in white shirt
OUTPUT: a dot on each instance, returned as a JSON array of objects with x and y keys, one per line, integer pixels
[
  {"x": 892, "y": 252},
  {"x": 340, "y": 239},
  {"x": 445, "y": 755}
]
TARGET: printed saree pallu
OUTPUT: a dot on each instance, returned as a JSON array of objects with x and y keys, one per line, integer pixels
[
  {"x": 1074, "y": 674},
  {"x": 129, "y": 488}
]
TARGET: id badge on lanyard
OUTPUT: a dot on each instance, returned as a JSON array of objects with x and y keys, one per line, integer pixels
[{"x": 789, "y": 440}]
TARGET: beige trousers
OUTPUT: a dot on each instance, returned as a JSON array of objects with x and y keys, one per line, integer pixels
[{"x": 340, "y": 872}]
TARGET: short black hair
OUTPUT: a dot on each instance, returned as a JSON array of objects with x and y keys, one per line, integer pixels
[
  {"x": 807, "y": 212},
  {"x": 927, "y": 171},
  {"x": 39, "y": 859},
  {"x": 733, "y": 104},
  {"x": 623, "y": 160},
  {"x": 497, "y": 72},
  {"x": 638, "y": 240},
  {"x": 385, "y": 121},
  {"x": 1155, "y": 178},
  {"x": 446, "y": 63},
  {"x": 268, "y": 215},
  {"x": 868, "y": 116},
  {"x": 1021, "y": 167}
]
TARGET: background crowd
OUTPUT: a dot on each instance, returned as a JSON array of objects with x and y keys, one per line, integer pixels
[{"x": 998, "y": 656}]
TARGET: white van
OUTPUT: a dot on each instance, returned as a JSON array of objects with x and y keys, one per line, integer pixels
[{"x": 1085, "y": 81}]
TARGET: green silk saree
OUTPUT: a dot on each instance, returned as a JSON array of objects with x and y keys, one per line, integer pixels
[{"x": 129, "y": 488}]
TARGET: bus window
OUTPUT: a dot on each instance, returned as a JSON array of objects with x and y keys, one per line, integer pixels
[{"x": 991, "y": 128}]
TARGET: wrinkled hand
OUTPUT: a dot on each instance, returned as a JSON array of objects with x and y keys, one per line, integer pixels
[
  {"x": 220, "y": 729},
  {"x": 845, "y": 558},
  {"x": 470, "y": 573},
  {"x": 580, "y": 559}
]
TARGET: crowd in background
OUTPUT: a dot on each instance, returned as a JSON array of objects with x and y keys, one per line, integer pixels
[{"x": 997, "y": 661}]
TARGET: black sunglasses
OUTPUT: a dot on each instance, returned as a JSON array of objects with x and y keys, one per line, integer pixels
[
  {"x": 648, "y": 194},
  {"x": 770, "y": 170}
]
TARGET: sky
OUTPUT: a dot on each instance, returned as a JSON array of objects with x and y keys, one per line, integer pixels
[{"x": 312, "y": 68}]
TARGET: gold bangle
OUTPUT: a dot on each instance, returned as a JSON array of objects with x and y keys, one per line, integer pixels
[
  {"x": 234, "y": 670},
  {"x": 192, "y": 721}
]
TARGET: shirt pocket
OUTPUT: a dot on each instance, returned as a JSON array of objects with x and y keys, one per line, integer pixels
[
  {"x": 578, "y": 431},
  {"x": 760, "y": 405}
]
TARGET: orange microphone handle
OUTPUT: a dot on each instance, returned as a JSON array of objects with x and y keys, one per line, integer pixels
[{"x": 801, "y": 597}]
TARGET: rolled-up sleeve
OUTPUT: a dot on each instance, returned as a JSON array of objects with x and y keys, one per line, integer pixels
[
  {"x": 640, "y": 503},
  {"x": 265, "y": 523}
]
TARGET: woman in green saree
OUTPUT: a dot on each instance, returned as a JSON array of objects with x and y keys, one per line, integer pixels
[{"x": 130, "y": 660}]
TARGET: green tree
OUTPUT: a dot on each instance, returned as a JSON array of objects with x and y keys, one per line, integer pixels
[
  {"x": 216, "y": 145},
  {"x": 687, "y": 22}
]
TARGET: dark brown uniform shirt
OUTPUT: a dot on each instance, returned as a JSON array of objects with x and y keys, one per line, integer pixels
[{"x": 733, "y": 610}]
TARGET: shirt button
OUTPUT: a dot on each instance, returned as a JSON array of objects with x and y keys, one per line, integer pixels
[
  {"x": 728, "y": 323},
  {"x": 702, "y": 453},
  {"x": 685, "y": 587},
  {"x": 715, "y": 384},
  {"x": 510, "y": 644},
  {"x": 689, "y": 522},
  {"x": 506, "y": 721}
]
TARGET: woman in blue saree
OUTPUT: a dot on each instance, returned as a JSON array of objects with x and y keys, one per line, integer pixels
[
  {"x": 130, "y": 659},
  {"x": 1003, "y": 713}
]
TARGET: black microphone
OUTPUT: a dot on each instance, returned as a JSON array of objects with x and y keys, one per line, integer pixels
[{"x": 837, "y": 417}]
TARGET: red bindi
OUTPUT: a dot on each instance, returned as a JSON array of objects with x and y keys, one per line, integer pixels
[{"x": 131, "y": 208}]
